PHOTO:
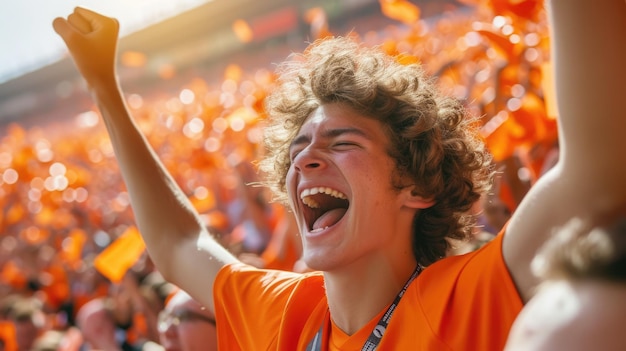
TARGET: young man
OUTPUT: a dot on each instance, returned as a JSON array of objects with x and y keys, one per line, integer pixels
[{"x": 378, "y": 169}]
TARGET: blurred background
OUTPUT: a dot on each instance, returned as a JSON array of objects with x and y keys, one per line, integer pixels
[
  {"x": 165, "y": 43},
  {"x": 195, "y": 73}
]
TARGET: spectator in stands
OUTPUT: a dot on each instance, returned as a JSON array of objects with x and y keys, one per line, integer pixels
[
  {"x": 185, "y": 325},
  {"x": 27, "y": 317},
  {"x": 581, "y": 303},
  {"x": 98, "y": 326},
  {"x": 127, "y": 318},
  {"x": 374, "y": 161},
  {"x": 50, "y": 340}
]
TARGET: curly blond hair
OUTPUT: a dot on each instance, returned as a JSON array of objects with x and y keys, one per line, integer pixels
[
  {"x": 433, "y": 141},
  {"x": 585, "y": 249}
]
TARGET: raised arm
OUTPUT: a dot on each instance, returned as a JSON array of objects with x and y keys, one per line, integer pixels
[
  {"x": 589, "y": 53},
  {"x": 177, "y": 241}
]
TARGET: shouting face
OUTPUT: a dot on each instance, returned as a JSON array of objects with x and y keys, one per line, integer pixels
[{"x": 340, "y": 189}]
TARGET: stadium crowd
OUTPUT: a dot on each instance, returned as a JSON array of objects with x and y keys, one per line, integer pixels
[{"x": 65, "y": 285}]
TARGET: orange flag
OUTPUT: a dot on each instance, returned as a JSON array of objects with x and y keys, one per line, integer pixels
[
  {"x": 501, "y": 44},
  {"x": 400, "y": 10},
  {"x": 120, "y": 255},
  {"x": 528, "y": 9}
]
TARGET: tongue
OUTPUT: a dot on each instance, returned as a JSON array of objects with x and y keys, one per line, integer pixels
[{"x": 329, "y": 218}]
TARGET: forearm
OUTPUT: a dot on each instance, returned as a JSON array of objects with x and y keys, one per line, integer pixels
[
  {"x": 589, "y": 53},
  {"x": 173, "y": 232},
  {"x": 158, "y": 203}
]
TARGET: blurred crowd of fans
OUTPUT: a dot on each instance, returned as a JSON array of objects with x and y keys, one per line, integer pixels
[{"x": 63, "y": 202}]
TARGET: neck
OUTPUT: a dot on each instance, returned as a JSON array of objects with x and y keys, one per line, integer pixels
[{"x": 356, "y": 295}]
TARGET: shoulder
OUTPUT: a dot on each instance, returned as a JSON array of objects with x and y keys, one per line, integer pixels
[
  {"x": 474, "y": 287},
  {"x": 240, "y": 275},
  {"x": 473, "y": 267},
  {"x": 261, "y": 309}
]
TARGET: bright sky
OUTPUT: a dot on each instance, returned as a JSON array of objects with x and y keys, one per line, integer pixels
[{"x": 27, "y": 40}]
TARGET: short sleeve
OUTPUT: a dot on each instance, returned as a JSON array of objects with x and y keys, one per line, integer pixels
[
  {"x": 253, "y": 306},
  {"x": 470, "y": 301}
]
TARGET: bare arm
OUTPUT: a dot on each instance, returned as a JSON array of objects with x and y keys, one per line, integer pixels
[
  {"x": 183, "y": 251},
  {"x": 589, "y": 52}
]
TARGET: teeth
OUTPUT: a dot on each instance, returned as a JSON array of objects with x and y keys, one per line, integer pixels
[
  {"x": 322, "y": 190},
  {"x": 319, "y": 230},
  {"x": 310, "y": 202},
  {"x": 306, "y": 193}
]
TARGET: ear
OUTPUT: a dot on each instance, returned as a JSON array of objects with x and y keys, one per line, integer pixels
[{"x": 412, "y": 199}]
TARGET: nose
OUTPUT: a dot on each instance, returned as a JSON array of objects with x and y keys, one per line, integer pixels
[{"x": 308, "y": 159}]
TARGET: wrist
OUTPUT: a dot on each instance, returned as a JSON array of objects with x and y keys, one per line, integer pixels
[{"x": 102, "y": 84}]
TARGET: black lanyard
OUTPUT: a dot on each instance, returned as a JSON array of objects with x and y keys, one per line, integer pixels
[{"x": 379, "y": 330}]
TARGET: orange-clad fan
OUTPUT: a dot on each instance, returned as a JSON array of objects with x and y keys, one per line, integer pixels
[
  {"x": 380, "y": 168},
  {"x": 427, "y": 315}
]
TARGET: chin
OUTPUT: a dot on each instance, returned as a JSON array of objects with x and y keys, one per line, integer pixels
[{"x": 319, "y": 261}]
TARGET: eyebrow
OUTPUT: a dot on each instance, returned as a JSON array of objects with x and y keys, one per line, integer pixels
[{"x": 328, "y": 134}]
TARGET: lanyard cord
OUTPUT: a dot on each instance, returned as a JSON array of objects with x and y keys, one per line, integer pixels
[{"x": 379, "y": 330}]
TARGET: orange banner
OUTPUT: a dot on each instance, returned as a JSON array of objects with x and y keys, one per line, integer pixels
[{"x": 120, "y": 255}]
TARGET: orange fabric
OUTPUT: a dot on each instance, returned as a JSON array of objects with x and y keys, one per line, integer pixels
[
  {"x": 114, "y": 261},
  {"x": 463, "y": 302},
  {"x": 7, "y": 336},
  {"x": 281, "y": 253},
  {"x": 73, "y": 247},
  {"x": 58, "y": 291},
  {"x": 341, "y": 341},
  {"x": 139, "y": 329},
  {"x": 12, "y": 275},
  {"x": 275, "y": 260},
  {"x": 506, "y": 196}
]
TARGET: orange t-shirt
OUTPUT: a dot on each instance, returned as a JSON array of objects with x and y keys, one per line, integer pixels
[{"x": 463, "y": 302}]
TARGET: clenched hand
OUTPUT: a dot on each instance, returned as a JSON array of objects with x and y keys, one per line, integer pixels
[{"x": 91, "y": 39}]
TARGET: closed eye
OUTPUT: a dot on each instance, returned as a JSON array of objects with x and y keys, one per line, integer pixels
[{"x": 343, "y": 145}]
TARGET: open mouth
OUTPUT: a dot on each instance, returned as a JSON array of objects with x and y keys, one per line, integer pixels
[{"x": 323, "y": 207}]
